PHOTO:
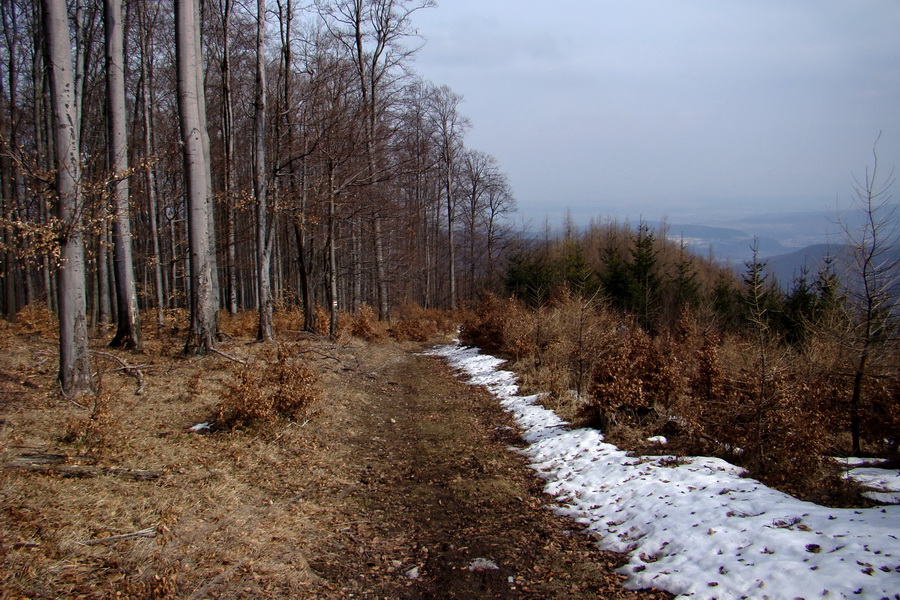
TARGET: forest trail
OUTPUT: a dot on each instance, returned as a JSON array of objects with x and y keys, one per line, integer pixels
[
  {"x": 397, "y": 483},
  {"x": 437, "y": 506}
]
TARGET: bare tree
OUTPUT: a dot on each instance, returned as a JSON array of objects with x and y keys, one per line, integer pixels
[
  {"x": 873, "y": 282},
  {"x": 201, "y": 336},
  {"x": 128, "y": 331},
  {"x": 148, "y": 167},
  {"x": 449, "y": 128},
  {"x": 74, "y": 358},
  {"x": 371, "y": 31},
  {"x": 264, "y": 229},
  {"x": 500, "y": 202}
]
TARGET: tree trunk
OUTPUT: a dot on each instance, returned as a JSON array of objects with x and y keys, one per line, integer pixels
[
  {"x": 451, "y": 246},
  {"x": 332, "y": 258},
  {"x": 201, "y": 336},
  {"x": 149, "y": 170},
  {"x": 199, "y": 74},
  {"x": 229, "y": 148},
  {"x": 102, "y": 304},
  {"x": 264, "y": 232},
  {"x": 74, "y": 357},
  {"x": 128, "y": 330}
]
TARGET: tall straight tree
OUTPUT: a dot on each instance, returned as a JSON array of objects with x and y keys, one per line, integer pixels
[
  {"x": 201, "y": 336},
  {"x": 74, "y": 357},
  {"x": 264, "y": 231},
  {"x": 448, "y": 126},
  {"x": 149, "y": 169},
  {"x": 370, "y": 31},
  {"x": 128, "y": 330},
  {"x": 228, "y": 130}
]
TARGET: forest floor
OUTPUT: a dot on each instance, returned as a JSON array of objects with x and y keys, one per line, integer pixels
[{"x": 398, "y": 482}]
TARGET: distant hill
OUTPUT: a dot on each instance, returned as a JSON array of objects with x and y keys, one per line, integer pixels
[
  {"x": 787, "y": 267},
  {"x": 726, "y": 245}
]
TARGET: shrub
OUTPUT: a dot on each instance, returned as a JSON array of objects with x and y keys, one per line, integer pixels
[
  {"x": 278, "y": 389},
  {"x": 619, "y": 393},
  {"x": 89, "y": 435},
  {"x": 413, "y": 323},
  {"x": 36, "y": 319},
  {"x": 242, "y": 324},
  {"x": 364, "y": 324},
  {"x": 504, "y": 327}
]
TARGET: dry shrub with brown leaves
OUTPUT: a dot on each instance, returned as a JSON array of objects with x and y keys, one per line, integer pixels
[
  {"x": 288, "y": 318},
  {"x": 505, "y": 327},
  {"x": 413, "y": 323},
  {"x": 242, "y": 324},
  {"x": 364, "y": 324},
  {"x": 90, "y": 434},
  {"x": 36, "y": 319},
  {"x": 764, "y": 408},
  {"x": 267, "y": 391},
  {"x": 756, "y": 406}
]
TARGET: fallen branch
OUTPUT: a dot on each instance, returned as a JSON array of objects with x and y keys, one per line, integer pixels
[
  {"x": 55, "y": 463},
  {"x": 150, "y": 532},
  {"x": 228, "y": 356},
  {"x": 132, "y": 370}
]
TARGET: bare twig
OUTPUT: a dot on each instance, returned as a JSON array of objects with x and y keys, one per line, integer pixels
[
  {"x": 150, "y": 532},
  {"x": 228, "y": 356},
  {"x": 132, "y": 370}
]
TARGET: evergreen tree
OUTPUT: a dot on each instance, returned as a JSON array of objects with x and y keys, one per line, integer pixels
[
  {"x": 645, "y": 284},
  {"x": 531, "y": 278},
  {"x": 577, "y": 273},
  {"x": 615, "y": 278},
  {"x": 799, "y": 309}
]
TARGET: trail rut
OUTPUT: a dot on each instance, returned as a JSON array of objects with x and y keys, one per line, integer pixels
[{"x": 436, "y": 505}]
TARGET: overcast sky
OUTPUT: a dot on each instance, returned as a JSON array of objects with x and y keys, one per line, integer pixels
[{"x": 634, "y": 108}]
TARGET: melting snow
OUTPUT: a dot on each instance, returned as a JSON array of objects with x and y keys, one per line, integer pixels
[{"x": 695, "y": 527}]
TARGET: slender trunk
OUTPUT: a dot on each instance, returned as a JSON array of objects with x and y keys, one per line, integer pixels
[
  {"x": 38, "y": 77},
  {"x": 74, "y": 358},
  {"x": 264, "y": 232},
  {"x": 150, "y": 171},
  {"x": 199, "y": 75},
  {"x": 451, "y": 217},
  {"x": 332, "y": 258},
  {"x": 103, "y": 308},
  {"x": 384, "y": 307},
  {"x": 128, "y": 330},
  {"x": 228, "y": 139},
  {"x": 856, "y": 399}
]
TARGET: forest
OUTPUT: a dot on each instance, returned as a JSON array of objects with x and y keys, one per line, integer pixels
[
  {"x": 233, "y": 157},
  {"x": 164, "y": 166}
]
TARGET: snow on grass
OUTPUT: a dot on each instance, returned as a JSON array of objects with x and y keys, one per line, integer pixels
[{"x": 694, "y": 526}]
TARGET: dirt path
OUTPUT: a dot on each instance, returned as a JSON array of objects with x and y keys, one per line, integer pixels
[
  {"x": 398, "y": 484},
  {"x": 436, "y": 506}
]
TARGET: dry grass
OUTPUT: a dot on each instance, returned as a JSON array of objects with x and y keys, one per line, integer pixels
[{"x": 235, "y": 513}]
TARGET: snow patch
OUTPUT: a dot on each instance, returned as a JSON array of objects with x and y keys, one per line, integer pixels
[
  {"x": 694, "y": 526},
  {"x": 483, "y": 564}
]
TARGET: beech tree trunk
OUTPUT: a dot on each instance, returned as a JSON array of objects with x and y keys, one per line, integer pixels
[
  {"x": 201, "y": 336},
  {"x": 264, "y": 232},
  {"x": 128, "y": 329},
  {"x": 149, "y": 170},
  {"x": 74, "y": 358}
]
